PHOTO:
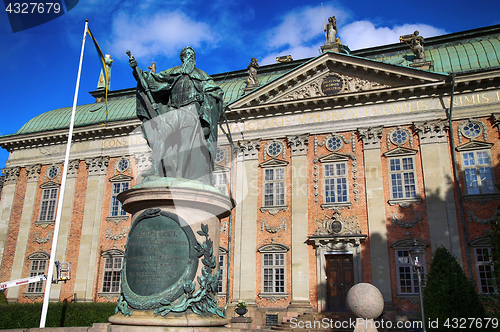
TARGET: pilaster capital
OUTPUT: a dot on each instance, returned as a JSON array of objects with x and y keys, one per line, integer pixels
[
  {"x": 97, "y": 165},
  {"x": 73, "y": 166},
  {"x": 143, "y": 161},
  {"x": 298, "y": 144},
  {"x": 248, "y": 149},
  {"x": 33, "y": 172},
  {"x": 11, "y": 174},
  {"x": 432, "y": 131},
  {"x": 371, "y": 137}
]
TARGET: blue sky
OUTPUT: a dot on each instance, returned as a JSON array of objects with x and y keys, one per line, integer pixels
[{"x": 39, "y": 65}]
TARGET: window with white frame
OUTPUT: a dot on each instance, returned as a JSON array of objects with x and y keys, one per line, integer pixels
[
  {"x": 220, "y": 181},
  {"x": 336, "y": 182},
  {"x": 116, "y": 205},
  {"x": 221, "y": 283},
  {"x": 111, "y": 280},
  {"x": 48, "y": 204},
  {"x": 38, "y": 266},
  {"x": 484, "y": 270},
  {"x": 274, "y": 186},
  {"x": 273, "y": 272},
  {"x": 402, "y": 177},
  {"x": 407, "y": 277},
  {"x": 478, "y": 172}
]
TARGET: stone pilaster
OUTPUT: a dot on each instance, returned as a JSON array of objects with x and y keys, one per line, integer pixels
[
  {"x": 6, "y": 203},
  {"x": 245, "y": 242},
  {"x": 33, "y": 173},
  {"x": 375, "y": 204},
  {"x": 439, "y": 193},
  {"x": 64, "y": 227},
  {"x": 89, "y": 242},
  {"x": 300, "y": 262}
]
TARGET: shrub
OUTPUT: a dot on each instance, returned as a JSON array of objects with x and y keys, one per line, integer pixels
[
  {"x": 27, "y": 315},
  {"x": 449, "y": 294}
]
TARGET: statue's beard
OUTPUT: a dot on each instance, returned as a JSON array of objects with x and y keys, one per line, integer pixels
[{"x": 188, "y": 65}]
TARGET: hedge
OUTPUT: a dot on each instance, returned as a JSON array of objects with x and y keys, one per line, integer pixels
[{"x": 27, "y": 315}]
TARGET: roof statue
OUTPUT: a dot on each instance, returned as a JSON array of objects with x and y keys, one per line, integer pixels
[
  {"x": 179, "y": 109},
  {"x": 108, "y": 62},
  {"x": 331, "y": 30},
  {"x": 333, "y": 42},
  {"x": 416, "y": 44},
  {"x": 252, "y": 81}
]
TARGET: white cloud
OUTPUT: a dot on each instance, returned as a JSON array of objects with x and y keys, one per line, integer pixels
[
  {"x": 301, "y": 26},
  {"x": 363, "y": 34},
  {"x": 159, "y": 34}
]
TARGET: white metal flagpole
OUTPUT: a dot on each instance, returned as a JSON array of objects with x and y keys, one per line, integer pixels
[{"x": 57, "y": 223}]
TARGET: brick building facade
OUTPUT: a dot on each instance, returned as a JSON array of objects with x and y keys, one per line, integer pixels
[{"x": 332, "y": 186}]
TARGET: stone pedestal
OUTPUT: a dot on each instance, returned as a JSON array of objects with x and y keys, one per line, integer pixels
[
  {"x": 170, "y": 269},
  {"x": 241, "y": 322}
]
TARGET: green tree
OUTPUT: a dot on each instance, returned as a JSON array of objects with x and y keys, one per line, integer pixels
[{"x": 448, "y": 295}]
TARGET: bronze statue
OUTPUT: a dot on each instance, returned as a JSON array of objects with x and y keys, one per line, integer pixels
[
  {"x": 416, "y": 44},
  {"x": 179, "y": 109},
  {"x": 331, "y": 30},
  {"x": 252, "y": 73}
]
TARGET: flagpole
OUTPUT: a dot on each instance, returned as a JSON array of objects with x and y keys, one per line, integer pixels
[{"x": 57, "y": 223}]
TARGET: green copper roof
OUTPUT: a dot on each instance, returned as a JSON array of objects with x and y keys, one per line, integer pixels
[
  {"x": 457, "y": 58},
  {"x": 234, "y": 89},
  {"x": 60, "y": 118}
]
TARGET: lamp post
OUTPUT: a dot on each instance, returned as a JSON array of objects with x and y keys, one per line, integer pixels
[{"x": 417, "y": 261}]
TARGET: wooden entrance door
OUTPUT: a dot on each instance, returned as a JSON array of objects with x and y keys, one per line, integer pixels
[{"x": 339, "y": 279}]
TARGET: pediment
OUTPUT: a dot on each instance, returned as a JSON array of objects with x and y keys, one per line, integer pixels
[
  {"x": 121, "y": 178},
  {"x": 335, "y": 157},
  {"x": 333, "y": 76},
  {"x": 273, "y": 162},
  {"x": 400, "y": 151},
  {"x": 474, "y": 145},
  {"x": 50, "y": 184},
  {"x": 220, "y": 168}
]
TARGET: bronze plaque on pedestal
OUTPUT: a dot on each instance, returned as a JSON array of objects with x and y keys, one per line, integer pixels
[
  {"x": 159, "y": 258},
  {"x": 332, "y": 85}
]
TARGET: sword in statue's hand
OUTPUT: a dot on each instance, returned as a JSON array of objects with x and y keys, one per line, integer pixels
[{"x": 140, "y": 77}]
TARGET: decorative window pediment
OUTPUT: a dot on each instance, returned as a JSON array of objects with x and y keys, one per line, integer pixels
[
  {"x": 220, "y": 168},
  {"x": 39, "y": 255},
  {"x": 408, "y": 243},
  {"x": 121, "y": 178},
  {"x": 113, "y": 253},
  {"x": 335, "y": 157},
  {"x": 50, "y": 184},
  {"x": 474, "y": 145},
  {"x": 400, "y": 151},
  {"x": 483, "y": 241},
  {"x": 274, "y": 163},
  {"x": 274, "y": 247}
]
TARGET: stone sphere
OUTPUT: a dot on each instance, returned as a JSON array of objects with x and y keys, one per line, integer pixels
[{"x": 365, "y": 301}]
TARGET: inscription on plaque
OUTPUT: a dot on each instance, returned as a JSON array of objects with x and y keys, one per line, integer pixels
[
  {"x": 157, "y": 255},
  {"x": 336, "y": 227},
  {"x": 332, "y": 85}
]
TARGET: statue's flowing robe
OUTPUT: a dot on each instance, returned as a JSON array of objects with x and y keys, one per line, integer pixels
[{"x": 171, "y": 90}]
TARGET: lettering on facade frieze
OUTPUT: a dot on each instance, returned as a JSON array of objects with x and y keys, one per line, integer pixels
[{"x": 123, "y": 141}]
